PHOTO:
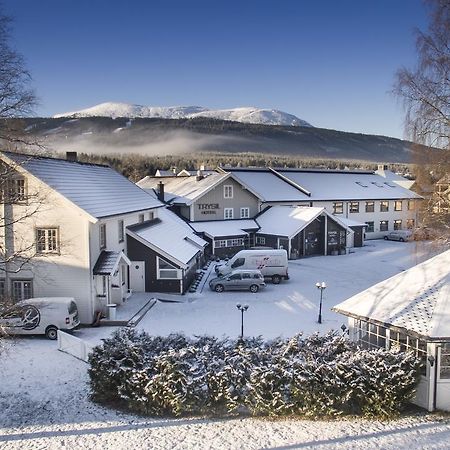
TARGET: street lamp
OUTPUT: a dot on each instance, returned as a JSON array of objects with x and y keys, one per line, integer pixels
[
  {"x": 242, "y": 309},
  {"x": 322, "y": 286}
]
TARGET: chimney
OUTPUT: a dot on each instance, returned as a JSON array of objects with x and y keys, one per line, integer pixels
[
  {"x": 174, "y": 170},
  {"x": 199, "y": 175},
  {"x": 382, "y": 167},
  {"x": 160, "y": 193},
  {"x": 72, "y": 156}
]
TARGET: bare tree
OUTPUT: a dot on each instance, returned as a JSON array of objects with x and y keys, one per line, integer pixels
[{"x": 425, "y": 92}]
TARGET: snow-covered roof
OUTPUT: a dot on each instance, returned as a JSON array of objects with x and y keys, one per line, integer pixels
[
  {"x": 164, "y": 173},
  {"x": 352, "y": 223},
  {"x": 183, "y": 189},
  {"x": 96, "y": 189},
  {"x": 269, "y": 187},
  {"x": 290, "y": 220},
  {"x": 170, "y": 236},
  {"x": 108, "y": 261},
  {"x": 395, "y": 178},
  {"x": 417, "y": 299},
  {"x": 219, "y": 228},
  {"x": 347, "y": 185}
]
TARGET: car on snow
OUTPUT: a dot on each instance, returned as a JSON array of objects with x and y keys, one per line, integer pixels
[
  {"x": 239, "y": 280},
  {"x": 44, "y": 315},
  {"x": 399, "y": 235}
]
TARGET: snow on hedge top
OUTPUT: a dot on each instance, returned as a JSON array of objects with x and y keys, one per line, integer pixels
[
  {"x": 417, "y": 299},
  {"x": 98, "y": 190},
  {"x": 244, "y": 115}
]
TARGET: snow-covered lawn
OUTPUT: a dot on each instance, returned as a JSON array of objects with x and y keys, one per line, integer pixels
[{"x": 44, "y": 394}]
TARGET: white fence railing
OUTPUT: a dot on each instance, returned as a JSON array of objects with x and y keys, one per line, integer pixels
[{"x": 73, "y": 346}]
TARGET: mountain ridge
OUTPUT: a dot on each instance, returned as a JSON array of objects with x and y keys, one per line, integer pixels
[{"x": 262, "y": 116}]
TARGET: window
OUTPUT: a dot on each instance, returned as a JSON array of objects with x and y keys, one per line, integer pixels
[
  {"x": 403, "y": 343},
  {"x": 384, "y": 206},
  {"x": 384, "y": 225},
  {"x": 228, "y": 191},
  {"x": 398, "y": 204},
  {"x": 47, "y": 240},
  {"x": 14, "y": 190},
  {"x": 238, "y": 263},
  {"x": 245, "y": 213},
  {"x": 104, "y": 285},
  {"x": 141, "y": 218},
  {"x": 2, "y": 288},
  {"x": 410, "y": 224},
  {"x": 151, "y": 215},
  {"x": 22, "y": 289},
  {"x": 354, "y": 207},
  {"x": 246, "y": 276},
  {"x": 411, "y": 205},
  {"x": 121, "y": 231},
  {"x": 236, "y": 276},
  {"x": 338, "y": 208},
  {"x": 102, "y": 236},
  {"x": 370, "y": 227},
  {"x": 228, "y": 213},
  {"x": 397, "y": 224},
  {"x": 370, "y": 206},
  {"x": 260, "y": 240},
  {"x": 239, "y": 242},
  {"x": 445, "y": 361},
  {"x": 166, "y": 271}
]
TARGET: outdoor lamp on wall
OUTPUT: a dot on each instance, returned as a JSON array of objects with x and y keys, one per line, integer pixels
[{"x": 321, "y": 286}]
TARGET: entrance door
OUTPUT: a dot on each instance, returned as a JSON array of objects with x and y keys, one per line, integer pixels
[
  {"x": 312, "y": 244},
  {"x": 137, "y": 276}
]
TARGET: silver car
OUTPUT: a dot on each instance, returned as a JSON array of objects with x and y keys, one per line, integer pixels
[{"x": 239, "y": 280}]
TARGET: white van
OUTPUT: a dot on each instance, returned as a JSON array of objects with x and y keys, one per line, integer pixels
[
  {"x": 41, "y": 316},
  {"x": 272, "y": 263}
]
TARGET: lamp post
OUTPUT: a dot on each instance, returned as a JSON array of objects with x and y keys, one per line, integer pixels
[
  {"x": 242, "y": 309},
  {"x": 321, "y": 286}
]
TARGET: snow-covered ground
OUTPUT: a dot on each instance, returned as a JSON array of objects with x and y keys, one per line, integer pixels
[{"x": 44, "y": 394}]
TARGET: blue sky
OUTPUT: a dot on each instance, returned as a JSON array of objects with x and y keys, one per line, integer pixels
[{"x": 329, "y": 62}]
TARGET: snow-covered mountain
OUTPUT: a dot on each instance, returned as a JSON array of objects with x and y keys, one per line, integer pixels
[{"x": 244, "y": 115}]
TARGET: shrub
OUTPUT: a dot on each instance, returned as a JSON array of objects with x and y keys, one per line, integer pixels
[{"x": 314, "y": 376}]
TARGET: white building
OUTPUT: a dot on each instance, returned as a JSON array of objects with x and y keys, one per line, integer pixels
[
  {"x": 410, "y": 312},
  {"x": 68, "y": 229}
]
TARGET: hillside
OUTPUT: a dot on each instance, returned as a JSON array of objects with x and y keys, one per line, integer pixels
[{"x": 102, "y": 135}]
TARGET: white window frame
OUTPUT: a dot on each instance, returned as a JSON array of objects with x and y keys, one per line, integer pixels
[
  {"x": 260, "y": 240},
  {"x": 22, "y": 289},
  {"x": 227, "y": 191},
  {"x": 102, "y": 236},
  {"x": 166, "y": 271},
  {"x": 245, "y": 212},
  {"x": 221, "y": 243},
  {"x": 121, "y": 225},
  {"x": 47, "y": 240},
  {"x": 338, "y": 208},
  {"x": 226, "y": 214}
]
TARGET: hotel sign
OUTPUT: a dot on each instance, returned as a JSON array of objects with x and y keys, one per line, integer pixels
[{"x": 208, "y": 208}]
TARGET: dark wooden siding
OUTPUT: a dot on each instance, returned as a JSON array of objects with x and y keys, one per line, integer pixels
[{"x": 140, "y": 252}]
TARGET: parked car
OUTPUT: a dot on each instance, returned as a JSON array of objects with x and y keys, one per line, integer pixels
[
  {"x": 41, "y": 316},
  {"x": 272, "y": 263},
  {"x": 239, "y": 280},
  {"x": 399, "y": 235}
]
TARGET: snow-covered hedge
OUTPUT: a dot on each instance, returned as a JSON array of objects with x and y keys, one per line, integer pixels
[{"x": 314, "y": 376}]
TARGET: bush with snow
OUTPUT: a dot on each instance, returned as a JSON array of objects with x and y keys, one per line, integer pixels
[{"x": 314, "y": 376}]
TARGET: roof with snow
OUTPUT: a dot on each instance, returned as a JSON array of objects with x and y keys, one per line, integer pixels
[
  {"x": 417, "y": 300},
  {"x": 347, "y": 185},
  {"x": 220, "y": 228},
  {"x": 319, "y": 184},
  {"x": 269, "y": 187},
  {"x": 108, "y": 262},
  {"x": 352, "y": 223},
  {"x": 170, "y": 236},
  {"x": 290, "y": 220},
  {"x": 183, "y": 189},
  {"x": 96, "y": 189},
  {"x": 395, "y": 178}
]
